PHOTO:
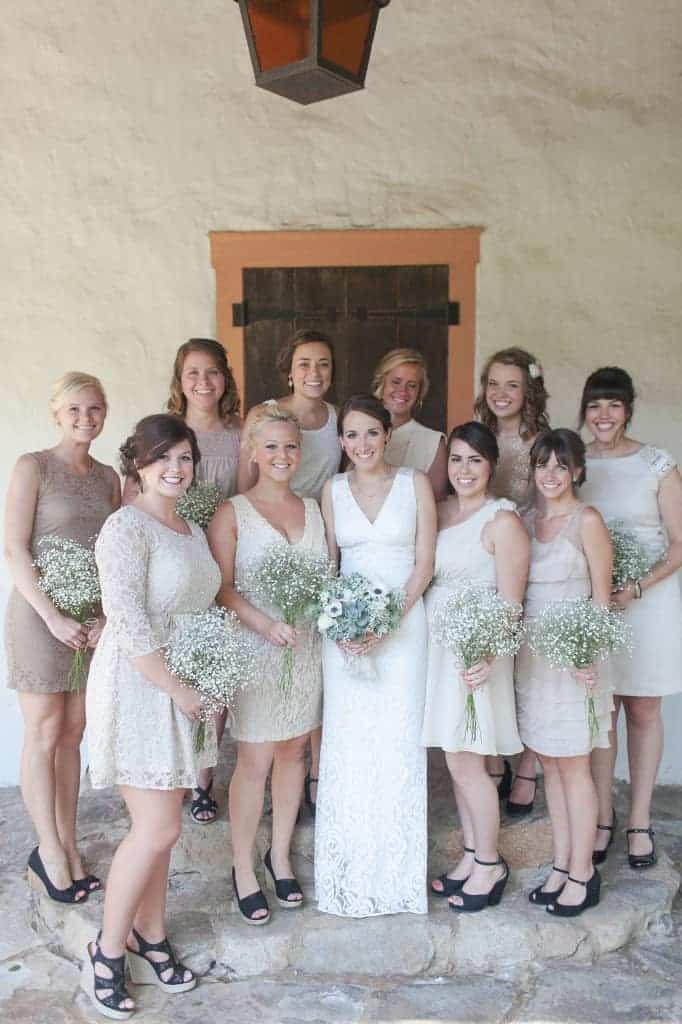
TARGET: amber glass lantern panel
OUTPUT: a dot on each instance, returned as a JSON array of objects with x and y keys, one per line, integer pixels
[
  {"x": 345, "y": 27},
  {"x": 281, "y": 31}
]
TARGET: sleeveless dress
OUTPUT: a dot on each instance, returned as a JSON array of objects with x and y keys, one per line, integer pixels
[
  {"x": 370, "y": 829},
  {"x": 73, "y": 507},
  {"x": 261, "y": 714},
  {"x": 551, "y": 703},
  {"x": 320, "y": 456},
  {"x": 627, "y": 489},
  {"x": 461, "y": 557},
  {"x": 150, "y": 575},
  {"x": 414, "y": 445},
  {"x": 219, "y": 458},
  {"x": 512, "y": 474}
]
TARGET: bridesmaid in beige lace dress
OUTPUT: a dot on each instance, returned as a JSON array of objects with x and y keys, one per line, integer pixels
[
  {"x": 272, "y": 731},
  {"x": 62, "y": 491},
  {"x": 512, "y": 401}
]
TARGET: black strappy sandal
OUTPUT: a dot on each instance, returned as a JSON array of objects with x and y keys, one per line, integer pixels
[
  {"x": 638, "y": 861},
  {"x": 144, "y": 971},
  {"x": 250, "y": 904},
  {"x": 515, "y": 810},
  {"x": 504, "y": 787},
  {"x": 91, "y": 883},
  {"x": 110, "y": 1005},
  {"x": 599, "y": 856},
  {"x": 39, "y": 880},
  {"x": 450, "y": 885},
  {"x": 204, "y": 803},
  {"x": 284, "y": 887},
  {"x": 472, "y": 902},
  {"x": 592, "y": 890},
  {"x": 543, "y": 899}
]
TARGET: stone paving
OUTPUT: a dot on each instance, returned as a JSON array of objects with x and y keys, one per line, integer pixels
[{"x": 511, "y": 964}]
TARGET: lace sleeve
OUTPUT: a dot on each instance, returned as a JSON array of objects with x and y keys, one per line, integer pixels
[
  {"x": 657, "y": 459},
  {"x": 122, "y": 553}
]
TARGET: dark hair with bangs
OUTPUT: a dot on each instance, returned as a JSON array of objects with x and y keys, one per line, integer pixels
[
  {"x": 567, "y": 446},
  {"x": 367, "y": 404},
  {"x": 152, "y": 437},
  {"x": 481, "y": 439},
  {"x": 608, "y": 382}
]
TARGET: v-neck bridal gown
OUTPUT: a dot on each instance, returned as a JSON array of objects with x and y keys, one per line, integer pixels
[{"x": 370, "y": 834}]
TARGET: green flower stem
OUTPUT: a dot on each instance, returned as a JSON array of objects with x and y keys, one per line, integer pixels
[
  {"x": 200, "y": 737},
  {"x": 472, "y": 729}
]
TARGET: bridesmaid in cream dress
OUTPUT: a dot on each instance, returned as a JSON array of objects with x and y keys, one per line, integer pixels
[
  {"x": 480, "y": 540},
  {"x": 512, "y": 401},
  {"x": 61, "y": 491},
  {"x": 401, "y": 382},
  {"x": 272, "y": 731},
  {"x": 640, "y": 485}
]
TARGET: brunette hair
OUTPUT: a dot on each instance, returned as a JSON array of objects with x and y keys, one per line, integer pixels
[
  {"x": 152, "y": 438},
  {"x": 481, "y": 439},
  {"x": 533, "y": 412},
  {"x": 304, "y": 337},
  {"x": 229, "y": 403},
  {"x": 72, "y": 381},
  {"x": 608, "y": 382},
  {"x": 567, "y": 446},
  {"x": 396, "y": 357},
  {"x": 367, "y": 404},
  {"x": 267, "y": 412}
]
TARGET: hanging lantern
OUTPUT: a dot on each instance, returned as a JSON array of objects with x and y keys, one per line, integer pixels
[{"x": 310, "y": 50}]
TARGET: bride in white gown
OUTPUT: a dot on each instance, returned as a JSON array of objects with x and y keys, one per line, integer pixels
[{"x": 370, "y": 836}]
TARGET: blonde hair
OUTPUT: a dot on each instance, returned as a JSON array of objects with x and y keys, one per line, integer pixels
[
  {"x": 229, "y": 403},
  {"x": 74, "y": 381},
  {"x": 396, "y": 357},
  {"x": 268, "y": 412}
]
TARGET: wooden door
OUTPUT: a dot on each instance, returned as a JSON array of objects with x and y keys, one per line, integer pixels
[{"x": 366, "y": 311}]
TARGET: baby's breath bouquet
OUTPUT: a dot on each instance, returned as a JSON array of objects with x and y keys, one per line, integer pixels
[
  {"x": 476, "y": 624},
  {"x": 68, "y": 575},
  {"x": 631, "y": 558},
  {"x": 199, "y": 503},
  {"x": 574, "y": 634},
  {"x": 351, "y": 607},
  {"x": 289, "y": 579},
  {"x": 211, "y": 652}
]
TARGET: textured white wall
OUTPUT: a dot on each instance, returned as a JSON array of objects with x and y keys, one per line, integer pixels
[{"x": 129, "y": 131}]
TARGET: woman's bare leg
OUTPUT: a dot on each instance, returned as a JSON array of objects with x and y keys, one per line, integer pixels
[{"x": 247, "y": 791}]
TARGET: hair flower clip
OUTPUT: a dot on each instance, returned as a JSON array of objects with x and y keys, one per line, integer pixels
[{"x": 534, "y": 371}]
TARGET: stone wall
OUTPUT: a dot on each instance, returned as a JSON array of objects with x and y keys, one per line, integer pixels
[{"x": 131, "y": 130}]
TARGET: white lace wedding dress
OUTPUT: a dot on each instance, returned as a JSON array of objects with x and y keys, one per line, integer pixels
[{"x": 370, "y": 834}]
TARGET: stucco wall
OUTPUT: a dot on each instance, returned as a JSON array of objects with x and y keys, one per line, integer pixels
[{"x": 129, "y": 131}]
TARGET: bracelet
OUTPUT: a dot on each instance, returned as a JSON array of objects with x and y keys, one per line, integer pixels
[{"x": 637, "y": 586}]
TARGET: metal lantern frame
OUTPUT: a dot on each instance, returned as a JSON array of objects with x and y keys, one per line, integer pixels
[{"x": 315, "y": 77}]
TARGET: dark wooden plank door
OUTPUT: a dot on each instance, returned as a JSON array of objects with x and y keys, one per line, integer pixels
[{"x": 366, "y": 310}]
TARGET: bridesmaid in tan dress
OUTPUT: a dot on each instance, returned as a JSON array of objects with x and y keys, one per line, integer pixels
[
  {"x": 62, "y": 491},
  {"x": 512, "y": 401}
]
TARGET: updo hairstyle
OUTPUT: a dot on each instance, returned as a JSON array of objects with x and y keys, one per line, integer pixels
[
  {"x": 609, "y": 382},
  {"x": 304, "y": 337},
  {"x": 229, "y": 404},
  {"x": 268, "y": 412},
  {"x": 367, "y": 404},
  {"x": 396, "y": 357},
  {"x": 533, "y": 412},
  {"x": 153, "y": 437},
  {"x": 71, "y": 382},
  {"x": 567, "y": 446}
]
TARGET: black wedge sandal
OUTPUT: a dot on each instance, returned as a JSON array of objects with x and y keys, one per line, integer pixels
[
  {"x": 204, "y": 804},
  {"x": 592, "y": 890},
  {"x": 450, "y": 885},
  {"x": 144, "y": 971},
  {"x": 250, "y": 904},
  {"x": 543, "y": 899},
  {"x": 639, "y": 861},
  {"x": 504, "y": 787},
  {"x": 515, "y": 810},
  {"x": 283, "y": 887},
  {"x": 109, "y": 1005},
  {"x": 472, "y": 902},
  {"x": 599, "y": 856},
  {"x": 39, "y": 880}
]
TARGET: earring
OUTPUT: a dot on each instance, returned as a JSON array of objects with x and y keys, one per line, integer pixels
[{"x": 290, "y": 382}]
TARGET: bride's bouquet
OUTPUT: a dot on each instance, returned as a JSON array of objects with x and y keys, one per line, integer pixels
[
  {"x": 631, "y": 558},
  {"x": 576, "y": 633},
  {"x": 476, "y": 624},
  {"x": 212, "y": 653},
  {"x": 352, "y": 607},
  {"x": 68, "y": 575},
  {"x": 199, "y": 503},
  {"x": 289, "y": 579}
]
